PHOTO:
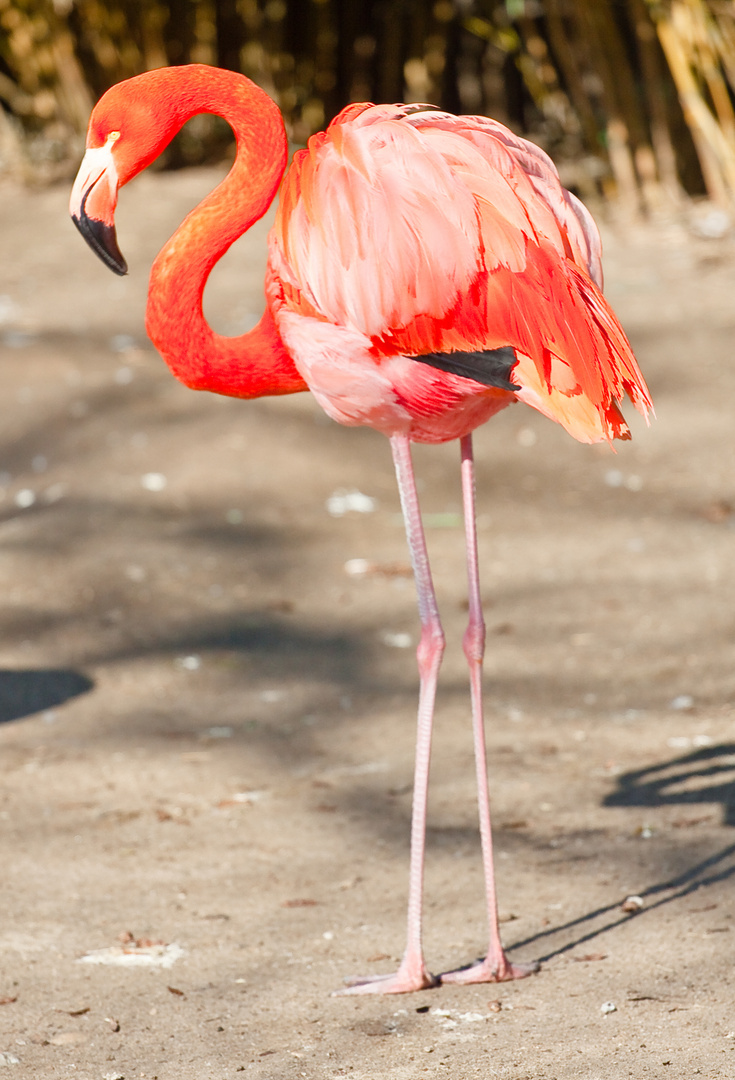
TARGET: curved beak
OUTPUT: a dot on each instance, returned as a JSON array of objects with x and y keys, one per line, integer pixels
[{"x": 92, "y": 205}]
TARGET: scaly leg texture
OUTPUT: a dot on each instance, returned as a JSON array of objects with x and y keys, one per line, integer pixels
[
  {"x": 412, "y": 973},
  {"x": 495, "y": 967}
]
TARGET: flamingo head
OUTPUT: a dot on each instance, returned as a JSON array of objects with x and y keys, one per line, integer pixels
[{"x": 129, "y": 127}]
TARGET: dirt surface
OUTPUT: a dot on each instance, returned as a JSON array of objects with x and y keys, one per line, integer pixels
[{"x": 208, "y": 722}]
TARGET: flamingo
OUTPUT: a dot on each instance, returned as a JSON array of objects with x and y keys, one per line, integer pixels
[{"x": 425, "y": 271}]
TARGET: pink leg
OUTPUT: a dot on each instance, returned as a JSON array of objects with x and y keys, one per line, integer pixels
[
  {"x": 495, "y": 967},
  {"x": 412, "y": 973}
]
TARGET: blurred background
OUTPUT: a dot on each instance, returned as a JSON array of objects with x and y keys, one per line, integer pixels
[{"x": 633, "y": 98}]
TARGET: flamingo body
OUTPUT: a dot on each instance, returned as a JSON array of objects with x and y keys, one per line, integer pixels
[
  {"x": 406, "y": 232},
  {"x": 425, "y": 271}
]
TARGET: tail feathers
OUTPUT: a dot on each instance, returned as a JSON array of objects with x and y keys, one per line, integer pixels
[
  {"x": 578, "y": 414},
  {"x": 585, "y": 366}
]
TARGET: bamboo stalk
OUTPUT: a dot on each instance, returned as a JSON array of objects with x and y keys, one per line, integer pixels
[
  {"x": 706, "y": 50},
  {"x": 17, "y": 99},
  {"x": 72, "y": 89},
  {"x": 653, "y": 81},
  {"x": 594, "y": 19},
  {"x": 566, "y": 58},
  {"x": 12, "y": 158},
  {"x": 716, "y": 153},
  {"x": 307, "y": 52},
  {"x": 726, "y": 43}
]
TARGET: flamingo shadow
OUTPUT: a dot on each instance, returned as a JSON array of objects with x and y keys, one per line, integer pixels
[
  {"x": 707, "y": 872},
  {"x": 706, "y": 775},
  {"x": 23, "y": 693}
]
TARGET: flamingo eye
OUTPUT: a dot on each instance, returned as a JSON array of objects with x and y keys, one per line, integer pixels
[{"x": 112, "y": 137}]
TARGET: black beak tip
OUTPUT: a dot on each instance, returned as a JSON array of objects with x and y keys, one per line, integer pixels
[{"x": 102, "y": 240}]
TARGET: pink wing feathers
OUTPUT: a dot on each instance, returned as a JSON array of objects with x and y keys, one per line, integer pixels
[{"x": 424, "y": 232}]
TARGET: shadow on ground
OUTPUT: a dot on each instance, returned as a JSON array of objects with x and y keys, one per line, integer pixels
[
  {"x": 706, "y": 776},
  {"x": 702, "y": 777},
  {"x": 718, "y": 867},
  {"x": 23, "y": 693}
]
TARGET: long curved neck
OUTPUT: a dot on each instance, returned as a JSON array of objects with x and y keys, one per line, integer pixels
[{"x": 255, "y": 363}]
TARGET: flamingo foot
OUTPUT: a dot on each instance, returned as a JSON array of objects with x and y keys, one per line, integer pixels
[
  {"x": 483, "y": 971},
  {"x": 408, "y": 978}
]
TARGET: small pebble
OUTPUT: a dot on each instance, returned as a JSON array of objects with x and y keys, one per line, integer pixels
[
  {"x": 246, "y": 798},
  {"x": 396, "y": 640},
  {"x": 341, "y": 502},
  {"x": 357, "y": 567},
  {"x": 188, "y": 663},
  {"x": 8, "y": 309},
  {"x": 632, "y": 903},
  {"x": 682, "y": 702},
  {"x": 710, "y": 224},
  {"x": 153, "y": 481},
  {"x": 608, "y": 1007},
  {"x": 25, "y": 498}
]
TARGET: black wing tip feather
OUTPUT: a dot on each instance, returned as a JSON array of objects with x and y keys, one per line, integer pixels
[{"x": 489, "y": 367}]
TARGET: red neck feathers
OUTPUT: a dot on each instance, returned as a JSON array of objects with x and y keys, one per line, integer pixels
[{"x": 255, "y": 363}]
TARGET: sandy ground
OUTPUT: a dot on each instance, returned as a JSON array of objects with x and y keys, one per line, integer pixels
[{"x": 207, "y": 722}]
